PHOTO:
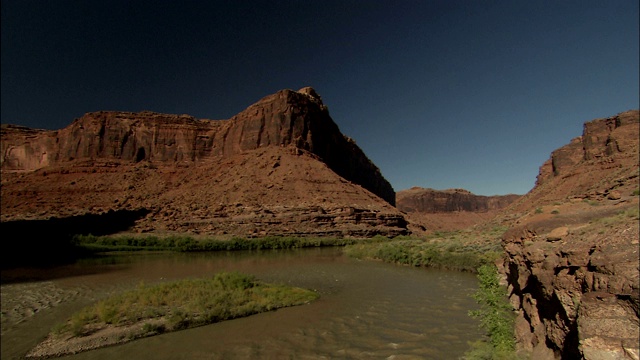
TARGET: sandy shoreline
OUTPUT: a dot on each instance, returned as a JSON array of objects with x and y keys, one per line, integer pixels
[
  {"x": 21, "y": 301},
  {"x": 54, "y": 346},
  {"x": 29, "y": 310}
]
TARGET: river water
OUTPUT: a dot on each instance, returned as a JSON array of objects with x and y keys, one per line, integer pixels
[{"x": 367, "y": 310}]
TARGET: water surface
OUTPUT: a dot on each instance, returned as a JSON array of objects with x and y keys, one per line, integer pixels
[{"x": 367, "y": 310}]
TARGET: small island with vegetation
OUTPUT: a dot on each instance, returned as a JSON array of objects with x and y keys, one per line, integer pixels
[{"x": 165, "y": 307}]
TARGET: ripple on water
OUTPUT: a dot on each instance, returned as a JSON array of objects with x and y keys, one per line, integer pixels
[{"x": 366, "y": 310}]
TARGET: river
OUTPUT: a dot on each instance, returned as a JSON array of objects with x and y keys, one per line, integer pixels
[{"x": 367, "y": 310}]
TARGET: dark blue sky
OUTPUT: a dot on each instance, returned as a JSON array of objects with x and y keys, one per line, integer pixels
[{"x": 440, "y": 94}]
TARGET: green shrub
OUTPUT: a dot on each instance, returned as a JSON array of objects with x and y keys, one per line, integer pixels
[
  {"x": 234, "y": 280},
  {"x": 495, "y": 315},
  {"x": 189, "y": 244},
  {"x": 416, "y": 252},
  {"x": 153, "y": 328}
]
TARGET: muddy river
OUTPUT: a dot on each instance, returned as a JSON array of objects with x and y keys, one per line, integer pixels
[{"x": 367, "y": 310}]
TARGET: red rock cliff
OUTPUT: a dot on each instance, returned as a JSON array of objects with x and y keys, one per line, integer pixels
[
  {"x": 424, "y": 200},
  {"x": 572, "y": 263},
  {"x": 603, "y": 158},
  {"x": 282, "y": 119},
  {"x": 281, "y": 167}
]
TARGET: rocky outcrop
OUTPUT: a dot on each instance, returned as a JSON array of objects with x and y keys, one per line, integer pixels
[
  {"x": 296, "y": 118},
  {"x": 602, "y": 141},
  {"x": 281, "y": 167},
  {"x": 576, "y": 287},
  {"x": 423, "y": 200},
  {"x": 572, "y": 263},
  {"x": 604, "y": 158}
]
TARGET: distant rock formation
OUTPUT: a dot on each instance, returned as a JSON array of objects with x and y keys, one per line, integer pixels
[
  {"x": 572, "y": 263},
  {"x": 423, "y": 200},
  {"x": 280, "y": 167},
  {"x": 448, "y": 210}
]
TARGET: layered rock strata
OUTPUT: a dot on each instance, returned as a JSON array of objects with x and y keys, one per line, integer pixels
[
  {"x": 281, "y": 167},
  {"x": 603, "y": 159},
  {"x": 297, "y": 118},
  {"x": 423, "y": 200},
  {"x": 449, "y": 210},
  {"x": 572, "y": 264},
  {"x": 575, "y": 289}
]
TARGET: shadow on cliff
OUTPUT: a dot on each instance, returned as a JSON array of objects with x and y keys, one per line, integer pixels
[{"x": 41, "y": 243}]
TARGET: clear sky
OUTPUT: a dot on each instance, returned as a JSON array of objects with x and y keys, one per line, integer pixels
[{"x": 442, "y": 94}]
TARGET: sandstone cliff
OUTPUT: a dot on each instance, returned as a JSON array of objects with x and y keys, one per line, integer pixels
[
  {"x": 281, "y": 167},
  {"x": 423, "y": 200},
  {"x": 572, "y": 257},
  {"x": 285, "y": 118},
  {"x": 604, "y": 158},
  {"x": 451, "y": 209}
]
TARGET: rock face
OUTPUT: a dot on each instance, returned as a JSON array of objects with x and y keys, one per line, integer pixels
[
  {"x": 424, "y": 200},
  {"x": 281, "y": 167},
  {"x": 451, "y": 209},
  {"x": 572, "y": 263},
  {"x": 286, "y": 118},
  {"x": 604, "y": 158}
]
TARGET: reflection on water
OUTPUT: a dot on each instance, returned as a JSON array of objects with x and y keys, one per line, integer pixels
[{"x": 367, "y": 310}]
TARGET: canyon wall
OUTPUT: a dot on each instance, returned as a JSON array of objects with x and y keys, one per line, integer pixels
[
  {"x": 603, "y": 158},
  {"x": 572, "y": 265},
  {"x": 280, "y": 167},
  {"x": 297, "y": 118},
  {"x": 449, "y": 210},
  {"x": 424, "y": 200}
]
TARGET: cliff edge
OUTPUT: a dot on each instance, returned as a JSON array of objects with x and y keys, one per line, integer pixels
[
  {"x": 572, "y": 263},
  {"x": 280, "y": 167},
  {"x": 296, "y": 118}
]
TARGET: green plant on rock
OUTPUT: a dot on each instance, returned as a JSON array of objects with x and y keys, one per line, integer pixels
[{"x": 496, "y": 317}]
